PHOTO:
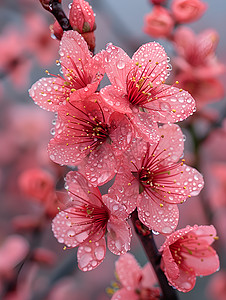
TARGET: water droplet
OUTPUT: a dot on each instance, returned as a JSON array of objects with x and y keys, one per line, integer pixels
[{"x": 121, "y": 64}]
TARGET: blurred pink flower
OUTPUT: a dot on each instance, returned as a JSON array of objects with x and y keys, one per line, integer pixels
[
  {"x": 153, "y": 180},
  {"x": 12, "y": 252},
  {"x": 38, "y": 39},
  {"x": 14, "y": 62},
  {"x": 159, "y": 22},
  {"x": 87, "y": 130},
  {"x": 204, "y": 91},
  {"x": 186, "y": 253},
  {"x": 185, "y": 11},
  {"x": 82, "y": 74},
  {"x": 216, "y": 289},
  {"x": 136, "y": 283},
  {"x": 197, "y": 53},
  {"x": 86, "y": 220},
  {"x": 138, "y": 89}
]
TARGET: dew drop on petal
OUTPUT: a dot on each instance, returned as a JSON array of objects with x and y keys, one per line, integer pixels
[
  {"x": 121, "y": 64},
  {"x": 99, "y": 252}
]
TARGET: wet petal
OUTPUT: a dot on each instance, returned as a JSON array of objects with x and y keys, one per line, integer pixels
[{"x": 91, "y": 254}]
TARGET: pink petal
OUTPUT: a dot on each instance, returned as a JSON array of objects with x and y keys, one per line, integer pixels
[
  {"x": 117, "y": 210},
  {"x": 191, "y": 179},
  {"x": 128, "y": 271},
  {"x": 152, "y": 53},
  {"x": 100, "y": 166},
  {"x": 118, "y": 235},
  {"x": 206, "y": 263},
  {"x": 65, "y": 233},
  {"x": 117, "y": 67},
  {"x": 73, "y": 50},
  {"x": 185, "y": 281},
  {"x": 124, "y": 294},
  {"x": 207, "y": 233},
  {"x": 48, "y": 93},
  {"x": 79, "y": 187},
  {"x": 184, "y": 40},
  {"x": 91, "y": 254},
  {"x": 161, "y": 219},
  {"x": 170, "y": 267},
  {"x": 171, "y": 105},
  {"x": 122, "y": 135},
  {"x": 116, "y": 99},
  {"x": 172, "y": 141},
  {"x": 125, "y": 189},
  {"x": 148, "y": 276},
  {"x": 146, "y": 128}
]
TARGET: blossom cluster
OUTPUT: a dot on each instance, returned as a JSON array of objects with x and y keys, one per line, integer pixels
[{"x": 125, "y": 131}]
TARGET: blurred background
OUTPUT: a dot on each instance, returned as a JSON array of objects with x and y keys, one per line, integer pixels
[{"x": 33, "y": 265}]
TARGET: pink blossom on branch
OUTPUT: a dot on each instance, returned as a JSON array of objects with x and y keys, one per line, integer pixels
[
  {"x": 89, "y": 132},
  {"x": 138, "y": 89},
  {"x": 187, "y": 253},
  {"x": 159, "y": 22},
  {"x": 153, "y": 180},
  {"x": 197, "y": 53},
  {"x": 137, "y": 283},
  {"x": 82, "y": 74},
  {"x": 185, "y": 11},
  {"x": 86, "y": 220}
]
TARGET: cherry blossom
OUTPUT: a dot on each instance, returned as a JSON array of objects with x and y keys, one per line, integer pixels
[
  {"x": 82, "y": 74},
  {"x": 197, "y": 53},
  {"x": 137, "y": 283},
  {"x": 154, "y": 181},
  {"x": 84, "y": 223},
  {"x": 89, "y": 132},
  {"x": 185, "y": 11},
  {"x": 138, "y": 89},
  {"x": 186, "y": 253},
  {"x": 158, "y": 23}
]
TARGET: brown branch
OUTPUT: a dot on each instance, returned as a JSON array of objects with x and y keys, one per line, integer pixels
[{"x": 154, "y": 256}]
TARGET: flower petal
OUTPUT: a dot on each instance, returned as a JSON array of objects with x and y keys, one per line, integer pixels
[
  {"x": 161, "y": 219},
  {"x": 91, "y": 254},
  {"x": 48, "y": 93},
  {"x": 154, "y": 55},
  {"x": 124, "y": 294},
  {"x": 128, "y": 271},
  {"x": 171, "y": 105},
  {"x": 116, "y": 99},
  {"x": 117, "y": 66}
]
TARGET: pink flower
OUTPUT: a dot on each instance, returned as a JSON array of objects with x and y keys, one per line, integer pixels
[
  {"x": 204, "y": 91},
  {"x": 82, "y": 74},
  {"x": 13, "y": 60},
  {"x": 186, "y": 253},
  {"x": 154, "y": 181},
  {"x": 138, "y": 89},
  {"x": 136, "y": 283},
  {"x": 158, "y": 23},
  {"x": 185, "y": 11},
  {"x": 9, "y": 258},
  {"x": 197, "y": 53},
  {"x": 36, "y": 183},
  {"x": 90, "y": 133},
  {"x": 86, "y": 220},
  {"x": 56, "y": 30}
]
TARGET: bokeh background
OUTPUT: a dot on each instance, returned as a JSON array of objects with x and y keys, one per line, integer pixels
[{"x": 46, "y": 272}]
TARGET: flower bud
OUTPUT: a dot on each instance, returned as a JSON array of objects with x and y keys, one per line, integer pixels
[
  {"x": 158, "y": 23},
  {"x": 56, "y": 30},
  {"x": 185, "y": 11},
  {"x": 81, "y": 17}
]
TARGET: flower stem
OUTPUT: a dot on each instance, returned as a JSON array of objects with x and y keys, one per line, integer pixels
[
  {"x": 55, "y": 8},
  {"x": 146, "y": 238}
]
